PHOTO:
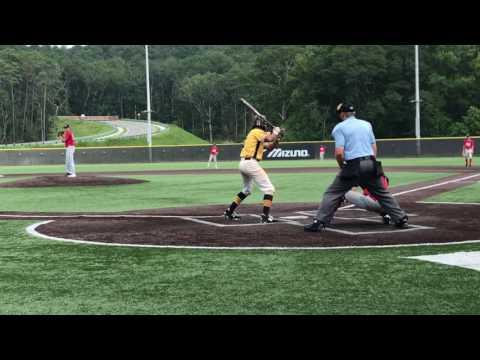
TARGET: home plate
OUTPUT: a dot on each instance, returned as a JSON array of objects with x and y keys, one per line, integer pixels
[
  {"x": 294, "y": 217},
  {"x": 467, "y": 260}
]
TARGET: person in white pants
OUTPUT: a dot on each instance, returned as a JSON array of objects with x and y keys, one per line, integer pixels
[
  {"x": 69, "y": 140},
  {"x": 214, "y": 151},
  {"x": 258, "y": 139}
]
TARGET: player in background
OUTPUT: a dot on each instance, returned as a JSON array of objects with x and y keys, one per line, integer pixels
[
  {"x": 468, "y": 150},
  {"x": 69, "y": 139},
  {"x": 258, "y": 139},
  {"x": 214, "y": 151},
  {"x": 323, "y": 149}
]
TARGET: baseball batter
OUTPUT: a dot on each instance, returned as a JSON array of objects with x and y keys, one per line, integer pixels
[
  {"x": 258, "y": 139},
  {"x": 468, "y": 149}
]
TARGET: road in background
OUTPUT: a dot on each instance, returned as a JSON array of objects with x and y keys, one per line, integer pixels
[{"x": 130, "y": 128}]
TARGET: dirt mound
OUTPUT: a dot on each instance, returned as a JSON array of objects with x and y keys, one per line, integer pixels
[{"x": 60, "y": 180}]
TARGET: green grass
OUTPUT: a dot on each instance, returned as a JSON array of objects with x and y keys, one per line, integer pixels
[
  {"x": 44, "y": 277},
  {"x": 22, "y": 169},
  {"x": 172, "y": 136},
  {"x": 80, "y": 128},
  {"x": 175, "y": 191},
  {"x": 468, "y": 194}
]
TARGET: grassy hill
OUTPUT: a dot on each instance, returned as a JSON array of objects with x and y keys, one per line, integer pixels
[
  {"x": 82, "y": 128},
  {"x": 172, "y": 136}
]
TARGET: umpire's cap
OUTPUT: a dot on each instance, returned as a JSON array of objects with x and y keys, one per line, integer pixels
[{"x": 343, "y": 107}]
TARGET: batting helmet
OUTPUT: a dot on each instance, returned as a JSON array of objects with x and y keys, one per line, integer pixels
[
  {"x": 343, "y": 107},
  {"x": 259, "y": 122}
]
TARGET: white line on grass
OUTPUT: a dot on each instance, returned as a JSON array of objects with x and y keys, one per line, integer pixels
[
  {"x": 446, "y": 203},
  {"x": 105, "y": 216},
  {"x": 32, "y": 230},
  {"x": 415, "y": 190},
  {"x": 353, "y": 233},
  {"x": 436, "y": 185}
]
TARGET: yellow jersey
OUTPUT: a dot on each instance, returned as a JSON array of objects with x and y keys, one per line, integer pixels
[{"x": 253, "y": 146}]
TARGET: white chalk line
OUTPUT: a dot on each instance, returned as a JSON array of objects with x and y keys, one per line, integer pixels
[
  {"x": 104, "y": 216},
  {"x": 193, "y": 218},
  {"x": 356, "y": 233},
  {"x": 447, "y": 203},
  {"x": 32, "y": 230},
  {"x": 437, "y": 185},
  {"x": 352, "y": 207},
  {"x": 313, "y": 213}
]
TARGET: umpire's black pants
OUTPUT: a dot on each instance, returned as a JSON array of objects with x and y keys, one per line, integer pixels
[{"x": 358, "y": 173}]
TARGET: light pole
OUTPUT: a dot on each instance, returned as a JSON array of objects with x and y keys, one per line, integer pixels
[
  {"x": 149, "y": 109},
  {"x": 417, "y": 100}
]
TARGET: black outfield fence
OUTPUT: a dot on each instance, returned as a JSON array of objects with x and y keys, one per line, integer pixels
[{"x": 287, "y": 151}]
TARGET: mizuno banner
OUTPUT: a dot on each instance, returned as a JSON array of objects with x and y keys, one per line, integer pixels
[{"x": 290, "y": 152}]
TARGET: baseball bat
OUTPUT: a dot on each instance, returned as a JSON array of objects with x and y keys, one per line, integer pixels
[{"x": 251, "y": 107}]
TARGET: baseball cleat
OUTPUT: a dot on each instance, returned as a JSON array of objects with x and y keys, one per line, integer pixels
[
  {"x": 387, "y": 220},
  {"x": 316, "y": 226},
  {"x": 403, "y": 223},
  {"x": 233, "y": 216},
  {"x": 267, "y": 219},
  {"x": 72, "y": 176}
]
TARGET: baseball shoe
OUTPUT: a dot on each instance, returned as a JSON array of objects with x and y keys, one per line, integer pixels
[
  {"x": 72, "y": 176},
  {"x": 387, "y": 220},
  {"x": 316, "y": 226},
  {"x": 403, "y": 223},
  {"x": 233, "y": 216},
  {"x": 267, "y": 219}
]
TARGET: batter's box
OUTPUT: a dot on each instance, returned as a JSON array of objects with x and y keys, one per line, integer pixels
[
  {"x": 343, "y": 225},
  {"x": 353, "y": 213},
  {"x": 367, "y": 226},
  {"x": 371, "y": 229},
  {"x": 247, "y": 220}
]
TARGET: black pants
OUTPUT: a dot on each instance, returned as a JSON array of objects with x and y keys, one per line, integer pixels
[{"x": 365, "y": 174}]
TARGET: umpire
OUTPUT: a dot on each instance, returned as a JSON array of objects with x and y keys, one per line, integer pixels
[{"x": 355, "y": 151}]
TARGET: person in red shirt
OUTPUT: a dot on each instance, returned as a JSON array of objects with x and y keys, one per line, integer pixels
[
  {"x": 214, "y": 151},
  {"x": 368, "y": 202},
  {"x": 323, "y": 149},
  {"x": 69, "y": 140},
  {"x": 468, "y": 150}
]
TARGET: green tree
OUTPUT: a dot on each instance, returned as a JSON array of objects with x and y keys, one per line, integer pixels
[{"x": 205, "y": 92}]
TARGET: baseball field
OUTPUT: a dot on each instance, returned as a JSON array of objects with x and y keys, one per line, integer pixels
[{"x": 151, "y": 239}]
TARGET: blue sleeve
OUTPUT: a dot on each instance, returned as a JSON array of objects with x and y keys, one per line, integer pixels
[
  {"x": 372, "y": 136},
  {"x": 339, "y": 137}
]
